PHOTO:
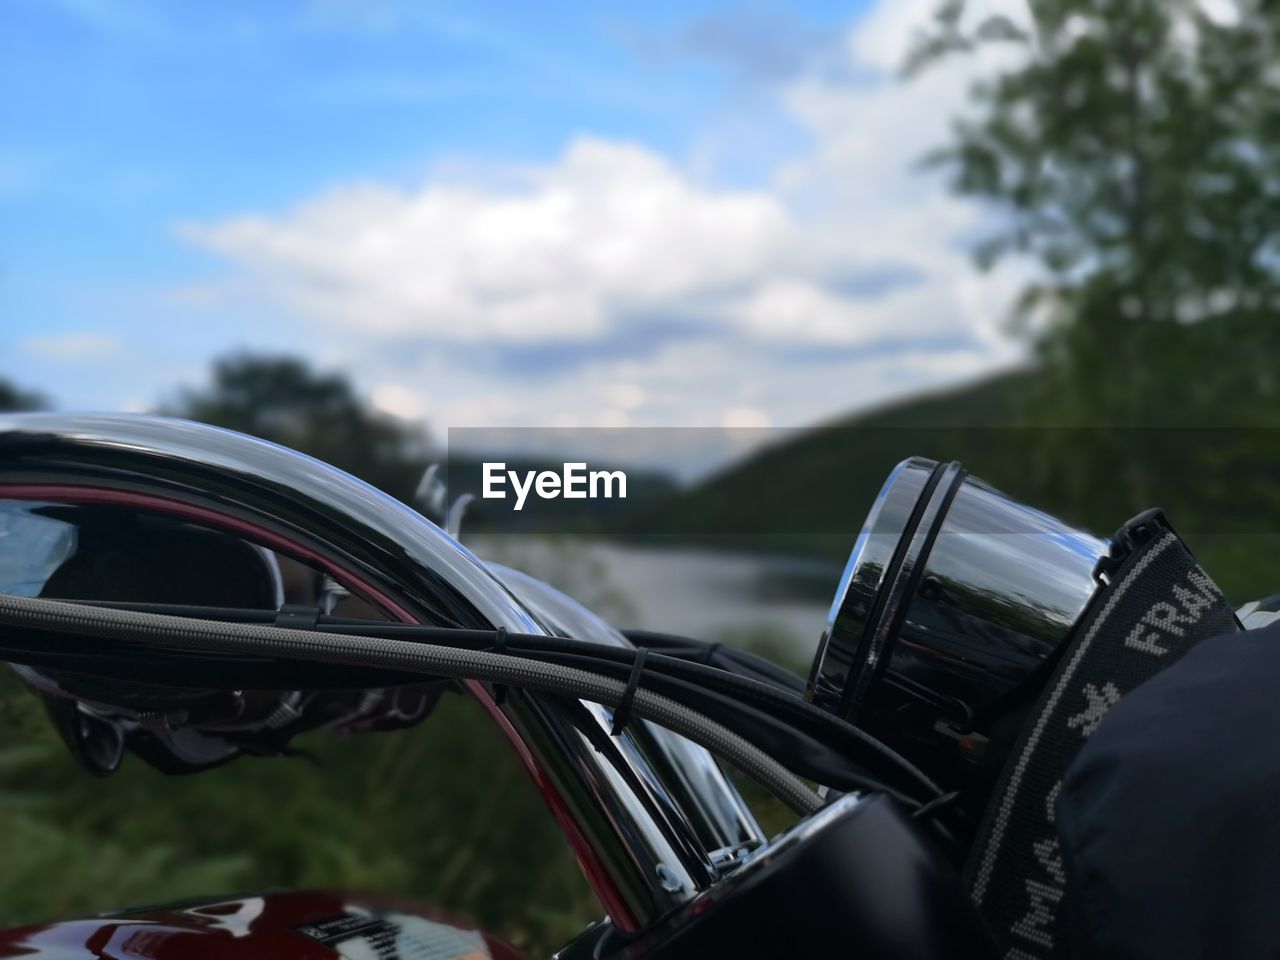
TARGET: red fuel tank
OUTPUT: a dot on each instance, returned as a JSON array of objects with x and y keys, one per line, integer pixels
[{"x": 293, "y": 925}]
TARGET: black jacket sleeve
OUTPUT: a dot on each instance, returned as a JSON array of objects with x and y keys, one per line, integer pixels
[{"x": 1169, "y": 818}]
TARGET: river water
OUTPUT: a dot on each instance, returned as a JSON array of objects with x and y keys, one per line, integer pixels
[{"x": 773, "y": 603}]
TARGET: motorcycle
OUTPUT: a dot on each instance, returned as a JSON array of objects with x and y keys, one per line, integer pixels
[{"x": 143, "y": 571}]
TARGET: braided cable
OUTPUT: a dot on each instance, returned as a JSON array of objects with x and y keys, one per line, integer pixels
[{"x": 431, "y": 659}]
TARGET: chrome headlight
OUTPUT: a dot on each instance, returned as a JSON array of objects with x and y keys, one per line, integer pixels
[{"x": 948, "y": 617}]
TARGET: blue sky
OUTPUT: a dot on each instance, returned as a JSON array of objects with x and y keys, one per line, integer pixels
[{"x": 491, "y": 214}]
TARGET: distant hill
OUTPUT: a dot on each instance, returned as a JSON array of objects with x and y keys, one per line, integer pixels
[{"x": 811, "y": 490}]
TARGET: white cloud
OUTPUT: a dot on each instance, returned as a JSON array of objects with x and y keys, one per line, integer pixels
[
  {"x": 398, "y": 400},
  {"x": 687, "y": 384},
  {"x": 72, "y": 347},
  {"x": 1225, "y": 13},
  {"x": 682, "y": 301},
  {"x": 609, "y": 231},
  {"x": 744, "y": 418}
]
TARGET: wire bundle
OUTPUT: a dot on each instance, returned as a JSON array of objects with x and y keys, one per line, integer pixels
[{"x": 761, "y": 726}]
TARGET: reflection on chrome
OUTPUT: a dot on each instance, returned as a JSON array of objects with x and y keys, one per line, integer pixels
[{"x": 954, "y": 600}]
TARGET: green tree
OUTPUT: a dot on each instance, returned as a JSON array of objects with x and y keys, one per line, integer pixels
[
  {"x": 286, "y": 401},
  {"x": 1131, "y": 150},
  {"x": 15, "y": 398}
]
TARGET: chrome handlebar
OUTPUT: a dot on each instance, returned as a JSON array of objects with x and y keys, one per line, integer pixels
[{"x": 626, "y": 821}]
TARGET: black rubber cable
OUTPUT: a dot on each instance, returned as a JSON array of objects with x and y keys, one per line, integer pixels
[
  {"x": 783, "y": 723},
  {"x": 428, "y": 659},
  {"x": 807, "y": 755},
  {"x": 740, "y": 662}
]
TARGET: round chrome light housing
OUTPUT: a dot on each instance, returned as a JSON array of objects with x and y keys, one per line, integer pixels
[{"x": 948, "y": 617}]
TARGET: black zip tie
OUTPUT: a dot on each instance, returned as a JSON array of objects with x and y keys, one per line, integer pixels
[
  {"x": 298, "y": 616},
  {"x": 622, "y": 713},
  {"x": 710, "y": 653},
  {"x": 500, "y": 646}
]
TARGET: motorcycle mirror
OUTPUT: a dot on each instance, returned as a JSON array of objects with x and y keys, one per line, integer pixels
[{"x": 97, "y": 744}]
